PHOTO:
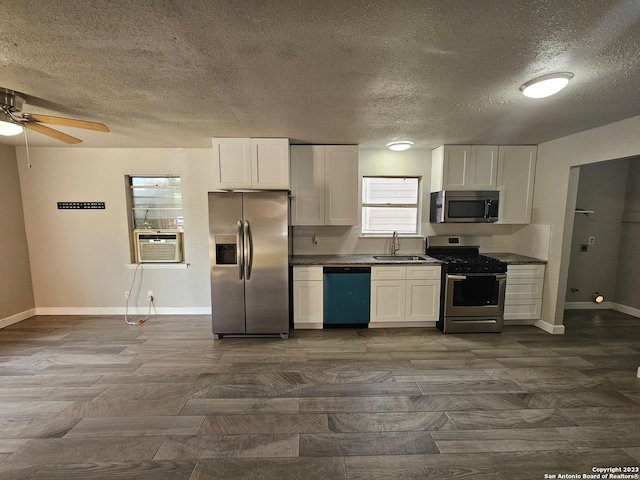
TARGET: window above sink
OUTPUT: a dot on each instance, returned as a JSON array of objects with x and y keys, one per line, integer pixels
[{"x": 390, "y": 204}]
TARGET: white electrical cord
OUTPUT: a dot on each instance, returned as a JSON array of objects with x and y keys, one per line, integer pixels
[{"x": 126, "y": 304}]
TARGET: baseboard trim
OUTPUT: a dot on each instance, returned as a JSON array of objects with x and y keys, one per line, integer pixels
[
  {"x": 121, "y": 311},
  {"x": 588, "y": 306},
  {"x": 18, "y": 317},
  {"x": 307, "y": 326},
  {"x": 420, "y": 324},
  {"x": 519, "y": 321},
  {"x": 549, "y": 327},
  {"x": 634, "y": 312}
]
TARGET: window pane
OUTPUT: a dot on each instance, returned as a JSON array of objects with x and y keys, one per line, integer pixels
[
  {"x": 390, "y": 204},
  {"x": 155, "y": 181},
  {"x": 389, "y": 219},
  {"x": 157, "y": 197},
  {"x": 158, "y": 219},
  {"x": 387, "y": 190},
  {"x": 156, "y": 202}
]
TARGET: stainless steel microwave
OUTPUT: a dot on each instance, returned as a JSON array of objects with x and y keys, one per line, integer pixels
[{"x": 464, "y": 206}]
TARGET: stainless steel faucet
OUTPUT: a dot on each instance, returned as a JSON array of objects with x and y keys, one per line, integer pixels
[{"x": 395, "y": 243}]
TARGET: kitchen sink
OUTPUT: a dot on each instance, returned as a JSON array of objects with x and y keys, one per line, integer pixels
[{"x": 399, "y": 258}]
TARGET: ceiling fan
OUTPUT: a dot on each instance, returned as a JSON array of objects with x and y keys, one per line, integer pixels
[{"x": 13, "y": 120}]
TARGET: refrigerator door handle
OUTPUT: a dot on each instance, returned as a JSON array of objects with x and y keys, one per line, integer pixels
[
  {"x": 240, "y": 249},
  {"x": 248, "y": 249}
]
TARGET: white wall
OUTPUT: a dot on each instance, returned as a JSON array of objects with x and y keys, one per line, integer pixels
[
  {"x": 16, "y": 290},
  {"x": 552, "y": 189},
  {"x": 79, "y": 257}
]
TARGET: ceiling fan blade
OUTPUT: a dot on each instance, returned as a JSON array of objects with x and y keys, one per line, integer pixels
[
  {"x": 50, "y": 132},
  {"x": 67, "y": 122}
]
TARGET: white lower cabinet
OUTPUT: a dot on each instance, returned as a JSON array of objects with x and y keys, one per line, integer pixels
[
  {"x": 308, "y": 297},
  {"x": 523, "y": 296},
  {"x": 404, "y": 296},
  {"x": 388, "y": 299}
]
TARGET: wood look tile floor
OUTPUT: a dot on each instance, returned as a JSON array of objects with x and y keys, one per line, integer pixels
[{"x": 93, "y": 398}]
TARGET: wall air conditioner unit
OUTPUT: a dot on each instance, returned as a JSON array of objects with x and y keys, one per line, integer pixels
[{"x": 158, "y": 246}]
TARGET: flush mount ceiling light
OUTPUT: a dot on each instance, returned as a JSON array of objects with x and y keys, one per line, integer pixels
[
  {"x": 400, "y": 145},
  {"x": 546, "y": 85},
  {"x": 8, "y": 129}
]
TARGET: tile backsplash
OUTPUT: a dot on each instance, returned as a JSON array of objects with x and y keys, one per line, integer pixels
[{"x": 347, "y": 240}]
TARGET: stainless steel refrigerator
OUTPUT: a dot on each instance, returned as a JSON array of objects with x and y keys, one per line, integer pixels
[{"x": 249, "y": 255}]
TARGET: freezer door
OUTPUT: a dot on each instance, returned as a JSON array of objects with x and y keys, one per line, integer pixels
[
  {"x": 226, "y": 262},
  {"x": 267, "y": 257}
]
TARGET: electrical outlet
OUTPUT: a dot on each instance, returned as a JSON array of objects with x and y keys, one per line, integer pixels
[
  {"x": 592, "y": 240},
  {"x": 126, "y": 294},
  {"x": 150, "y": 294}
]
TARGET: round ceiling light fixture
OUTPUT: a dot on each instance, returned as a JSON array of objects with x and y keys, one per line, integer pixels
[
  {"x": 546, "y": 85},
  {"x": 7, "y": 129},
  {"x": 399, "y": 145}
]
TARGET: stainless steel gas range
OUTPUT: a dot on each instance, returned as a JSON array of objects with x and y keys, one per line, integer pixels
[{"x": 473, "y": 285}]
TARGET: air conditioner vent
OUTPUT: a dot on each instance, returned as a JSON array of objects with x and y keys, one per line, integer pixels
[{"x": 158, "y": 246}]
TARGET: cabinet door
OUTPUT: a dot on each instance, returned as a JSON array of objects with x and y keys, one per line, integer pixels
[
  {"x": 388, "y": 300},
  {"x": 422, "y": 300},
  {"x": 456, "y": 174},
  {"x": 483, "y": 167},
  {"x": 231, "y": 163},
  {"x": 516, "y": 172},
  {"x": 307, "y": 304},
  {"x": 270, "y": 163},
  {"x": 307, "y": 185},
  {"x": 341, "y": 185},
  {"x": 523, "y": 309}
]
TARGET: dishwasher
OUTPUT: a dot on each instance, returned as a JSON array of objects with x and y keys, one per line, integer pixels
[{"x": 347, "y": 294}]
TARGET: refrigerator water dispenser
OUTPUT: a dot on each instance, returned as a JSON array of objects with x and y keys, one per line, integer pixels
[{"x": 226, "y": 249}]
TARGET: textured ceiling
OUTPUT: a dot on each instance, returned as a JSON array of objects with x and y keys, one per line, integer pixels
[{"x": 164, "y": 73}]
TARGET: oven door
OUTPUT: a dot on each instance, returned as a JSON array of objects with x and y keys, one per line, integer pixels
[{"x": 474, "y": 294}]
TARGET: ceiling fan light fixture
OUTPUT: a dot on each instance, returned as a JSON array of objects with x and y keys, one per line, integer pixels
[
  {"x": 546, "y": 85},
  {"x": 400, "y": 145},
  {"x": 8, "y": 129}
]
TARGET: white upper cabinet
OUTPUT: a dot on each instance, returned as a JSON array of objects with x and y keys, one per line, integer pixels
[
  {"x": 464, "y": 167},
  {"x": 341, "y": 185},
  {"x": 516, "y": 173},
  {"x": 307, "y": 185},
  {"x": 231, "y": 163},
  {"x": 270, "y": 163},
  {"x": 251, "y": 163},
  {"x": 324, "y": 184},
  {"x": 483, "y": 167}
]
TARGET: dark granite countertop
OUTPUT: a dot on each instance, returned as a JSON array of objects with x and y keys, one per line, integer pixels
[
  {"x": 515, "y": 259},
  {"x": 366, "y": 259}
]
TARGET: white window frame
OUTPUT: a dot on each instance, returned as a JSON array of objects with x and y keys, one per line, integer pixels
[{"x": 416, "y": 205}]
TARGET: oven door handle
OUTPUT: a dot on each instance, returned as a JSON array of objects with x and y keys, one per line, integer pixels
[{"x": 456, "y": 277}]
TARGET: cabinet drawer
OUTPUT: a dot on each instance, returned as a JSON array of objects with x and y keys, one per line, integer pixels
[
  {"x": 525, "y": 271},
  {"x": 307, "y": 273},
  {"x": 423, "y": 273},
  {"x": 388, "y": 273},
  {"x": 523, "y": 309},
  {"x": 520, "y": 288}
]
